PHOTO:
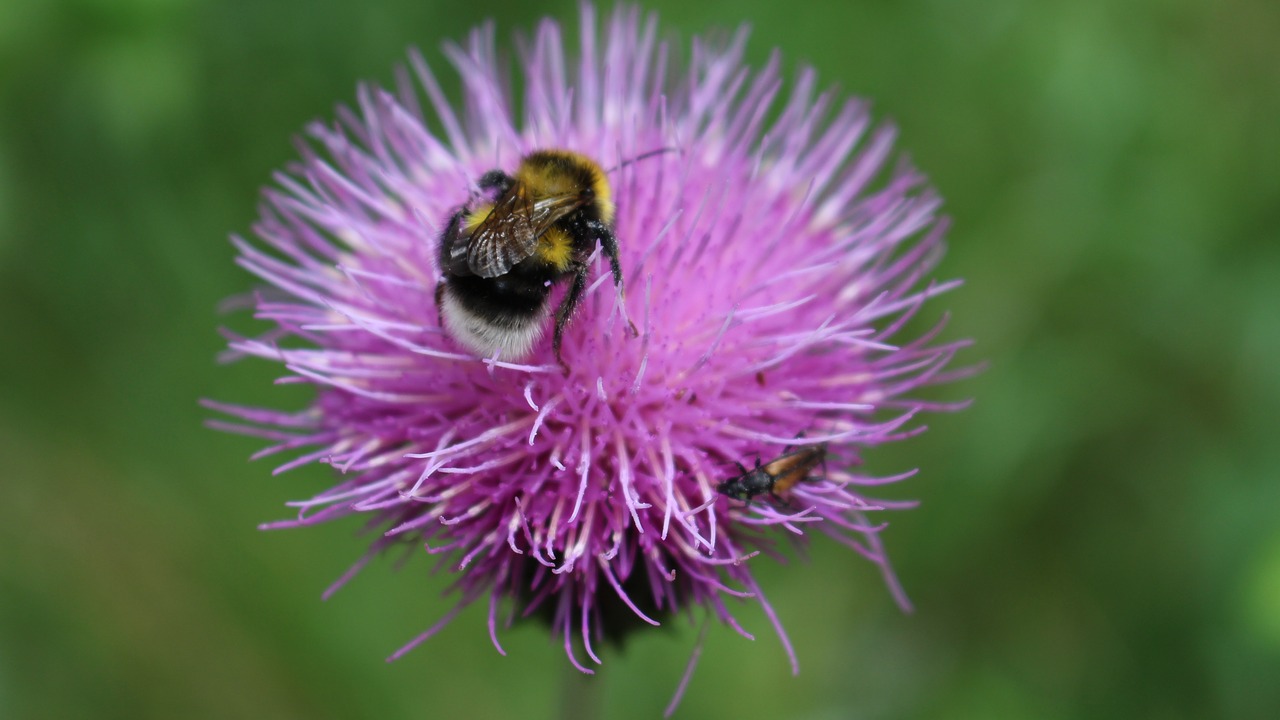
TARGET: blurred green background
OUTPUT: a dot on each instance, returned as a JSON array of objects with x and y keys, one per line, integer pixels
[{"x": 1099, "y": 534}]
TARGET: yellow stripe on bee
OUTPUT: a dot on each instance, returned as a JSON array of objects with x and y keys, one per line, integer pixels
[
  {"x": 475, "y": 217},
  {"x": 555, "y": 248},
  {"x": 545, "y": 173},
  {"x": 604, "y": 196}
]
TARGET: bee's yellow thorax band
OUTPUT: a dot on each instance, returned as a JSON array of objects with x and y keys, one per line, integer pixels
[
  {"x": 564, "y": 172},
  {"x": 477, "y": 216},
  {"x": 556, "y": 248}
]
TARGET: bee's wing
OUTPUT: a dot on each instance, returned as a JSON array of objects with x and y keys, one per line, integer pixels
[
  {"x": 505, "y": 237},
  {"x": 547, "y": 211},
  {"x": 510, "y": 233}
]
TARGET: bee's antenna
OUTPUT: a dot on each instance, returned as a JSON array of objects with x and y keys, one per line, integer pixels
[{"x": 642, "y": 156}]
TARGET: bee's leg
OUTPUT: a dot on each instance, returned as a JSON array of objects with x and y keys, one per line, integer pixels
[
  {"x": 565, "y": 311},
  {"x": 453, "y": 254},
  {"x": 610, "y": 244},
  {"x": 447, "y": 264}
]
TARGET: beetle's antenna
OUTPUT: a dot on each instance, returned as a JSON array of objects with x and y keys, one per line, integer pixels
[{"x": 641, "y": 156}]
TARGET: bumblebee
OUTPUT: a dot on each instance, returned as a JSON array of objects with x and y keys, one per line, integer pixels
[
  {"x": 502, "y": 253},
  {"x": 776, "y": 477}
]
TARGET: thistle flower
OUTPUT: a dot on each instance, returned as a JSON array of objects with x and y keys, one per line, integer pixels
[{"x": 771, "y": 266}]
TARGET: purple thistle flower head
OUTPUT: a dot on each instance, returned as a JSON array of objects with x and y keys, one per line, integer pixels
[{"x": 769, "y": 266}]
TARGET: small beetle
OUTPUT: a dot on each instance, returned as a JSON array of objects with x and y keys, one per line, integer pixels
[{"x": 775, "y": 477}]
